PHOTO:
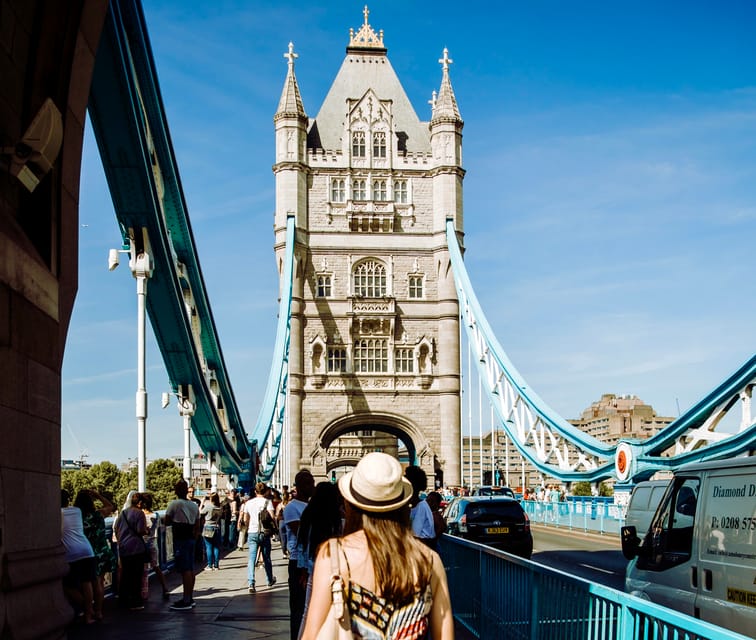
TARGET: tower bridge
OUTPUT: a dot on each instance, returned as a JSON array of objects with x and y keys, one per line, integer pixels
[{"x": 375, "y": 301}]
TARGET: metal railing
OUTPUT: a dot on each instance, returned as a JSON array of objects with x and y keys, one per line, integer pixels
[
  {"x": 582, "y": 513},
  {"x": 496, "y": 595}
]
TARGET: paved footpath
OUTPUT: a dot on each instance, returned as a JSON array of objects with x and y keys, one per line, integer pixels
[
  {"x": 224, "y": 607},
  {"x": 225, "y": 610}
]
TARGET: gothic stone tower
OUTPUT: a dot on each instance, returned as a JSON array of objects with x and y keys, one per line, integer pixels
[{"x": 375, "y": 318}]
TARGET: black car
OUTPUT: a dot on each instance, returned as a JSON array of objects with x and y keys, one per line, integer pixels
[{"x": 497, "y": 521}]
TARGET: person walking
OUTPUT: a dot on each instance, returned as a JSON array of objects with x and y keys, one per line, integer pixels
[
  {"x": 304, "y": 485},
  {"x": 234, "y": 505},
  {"x": 395, "y": 586},
  {"x": 77, "y": 584},
  {"x": 257, "y": 537},
  {"x": 94, "y": 530},
  {"x": 212, "y": 513},
  {"x": 182, "y": 515},
  {"x": 153, "y": 524},
  {"x": 241, "y": 524},
  {"x": 421, "y": 515},
  {"x": 322, "y": 519},
  {"x": 130, "y": 527},
  {"x": 285, "y": 497}
]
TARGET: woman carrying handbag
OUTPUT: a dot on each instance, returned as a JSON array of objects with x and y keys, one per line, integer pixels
[{"x": 393, "y": 586}]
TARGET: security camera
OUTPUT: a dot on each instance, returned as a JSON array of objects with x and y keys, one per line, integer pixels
[
  {"x": 38, "y": 148},
  {"x": 113, "y": 260}
]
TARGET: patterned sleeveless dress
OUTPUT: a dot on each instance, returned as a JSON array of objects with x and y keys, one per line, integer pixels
[{"x": 374, "y": 618}]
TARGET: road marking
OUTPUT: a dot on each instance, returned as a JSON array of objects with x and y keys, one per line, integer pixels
[{"x": 588, "y": 566}]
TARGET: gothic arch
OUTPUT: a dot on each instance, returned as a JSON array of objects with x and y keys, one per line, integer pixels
[{"x": 411, "y": 435}]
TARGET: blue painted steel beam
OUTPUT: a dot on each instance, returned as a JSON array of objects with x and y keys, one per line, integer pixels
[
  {"x": 645, "y": 455},
  {"x": 128, "y": 119},
  {"x": 270, "y": 419}
]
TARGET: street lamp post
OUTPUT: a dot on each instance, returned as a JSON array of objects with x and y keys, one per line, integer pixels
[
  {"x": 186, "y": 408},
  {"x": 141, "y": 268}
]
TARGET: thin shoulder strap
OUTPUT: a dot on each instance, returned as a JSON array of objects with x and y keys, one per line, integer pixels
[{"x": 333, "y": 548}]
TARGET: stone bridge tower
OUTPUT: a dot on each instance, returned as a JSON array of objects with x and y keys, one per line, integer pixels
[{"x": 375, "y": 319}]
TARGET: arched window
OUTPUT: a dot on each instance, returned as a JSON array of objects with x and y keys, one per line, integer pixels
[
  {"x": 359, "y": 189},
  {"x": 338, "y": 190},
  {"x": 379, "y": 144},
  {"x": 400, "y": 191},
  {"x": 379, "y": 190},
  {"x": 369, "y": 279},
  {"x": 358, "y": 144}
]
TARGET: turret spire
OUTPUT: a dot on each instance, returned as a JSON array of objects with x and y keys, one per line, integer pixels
[
  {"x": 290, "y": 103},
  {"x": 445, "y": 106}
]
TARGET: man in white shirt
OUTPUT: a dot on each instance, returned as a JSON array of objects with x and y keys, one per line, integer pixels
[
  {"x": 255, "y": 537},
  {"x": 305, "y": 486}
]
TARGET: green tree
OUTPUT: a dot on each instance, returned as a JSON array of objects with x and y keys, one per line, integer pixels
[
  {"x": 162, "y": 476},
  {"x": 581, "y": 488},
  {"x": 74, "y": 480},
  {"x": 606, "y": 490}
]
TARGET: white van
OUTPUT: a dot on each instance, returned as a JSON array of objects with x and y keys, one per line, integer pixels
[
  {"x": 699, "y": 554},
  {"x": 644, "y": 500}
]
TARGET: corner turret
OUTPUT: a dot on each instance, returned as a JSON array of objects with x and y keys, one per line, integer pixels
[
  {"x": 291, "y": 151},
  {"x": 446, "y": 143}
]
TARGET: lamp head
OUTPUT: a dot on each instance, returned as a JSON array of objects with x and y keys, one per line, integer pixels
[
  {"x": 166, "y": 399},
  {"x": 113, "y": 260}
]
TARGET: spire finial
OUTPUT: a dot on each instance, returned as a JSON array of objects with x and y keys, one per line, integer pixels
[
  {"x": 432, "y": 101},
  {"x": 291, "y": 55},
  {"x": 446, "y": 60},
  {"x": 366, "y": 38}
]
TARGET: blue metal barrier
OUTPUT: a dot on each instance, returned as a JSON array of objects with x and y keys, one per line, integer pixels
[
  {"x": 522, "y": 600},
  {"x": 590, "y": 514}
]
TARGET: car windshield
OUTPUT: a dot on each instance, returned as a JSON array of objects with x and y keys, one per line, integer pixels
[{"x": 490, "y": 510}]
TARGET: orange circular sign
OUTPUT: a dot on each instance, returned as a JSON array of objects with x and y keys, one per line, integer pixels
[{"x": 622, "y": 461}]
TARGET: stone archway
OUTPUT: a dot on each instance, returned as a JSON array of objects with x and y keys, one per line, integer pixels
[
  {"x": 419, "y": 450},
  {"x": 54, "y": 49}
]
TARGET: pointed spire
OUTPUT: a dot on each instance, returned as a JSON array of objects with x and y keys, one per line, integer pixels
[
  {"x": 290, "y": 103},
  {"x": 445, "y": 106},
  {"x": 366, "y": 37}
]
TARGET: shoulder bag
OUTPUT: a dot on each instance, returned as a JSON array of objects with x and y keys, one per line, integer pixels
[
  {"x": 337, "y": 625},
  {"x": 266, "y": 525},
  {"x": 147, "y": 554}
]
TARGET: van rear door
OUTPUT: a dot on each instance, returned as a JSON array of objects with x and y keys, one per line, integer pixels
[{"x": 726, "y": 593}]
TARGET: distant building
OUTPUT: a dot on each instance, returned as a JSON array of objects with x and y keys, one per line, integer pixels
[
  {"x": 616, "y": 417},
  {"x": 73, "y": 465},
  {"x": 610, "y": 419}
]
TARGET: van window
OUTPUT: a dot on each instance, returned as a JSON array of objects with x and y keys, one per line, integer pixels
[
  {"x": 671, "y": 535},
  {"x": 640, "y": 498}
]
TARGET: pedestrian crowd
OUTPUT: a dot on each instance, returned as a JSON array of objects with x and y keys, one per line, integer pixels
[{"x": 372, "y": 538}]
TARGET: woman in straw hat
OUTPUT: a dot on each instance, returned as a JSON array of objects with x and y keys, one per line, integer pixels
[{"x": 395, "y": 585}]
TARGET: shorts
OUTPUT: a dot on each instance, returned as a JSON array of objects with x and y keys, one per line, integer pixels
[
  {"x": 84, "y": 570},
  {"x": 183, "y": 555}
]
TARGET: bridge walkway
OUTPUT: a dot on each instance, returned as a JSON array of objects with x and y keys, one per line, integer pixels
[{"x": 225, "y": 610}]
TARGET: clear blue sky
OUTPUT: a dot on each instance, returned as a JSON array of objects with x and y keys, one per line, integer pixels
[{"x": 610, "y": 196}]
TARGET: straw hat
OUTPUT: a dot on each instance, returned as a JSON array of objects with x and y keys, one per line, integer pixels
[{"x": 376, "y": 484}]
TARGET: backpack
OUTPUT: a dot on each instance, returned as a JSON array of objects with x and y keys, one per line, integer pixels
[{"x": 266, "y": 522}]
